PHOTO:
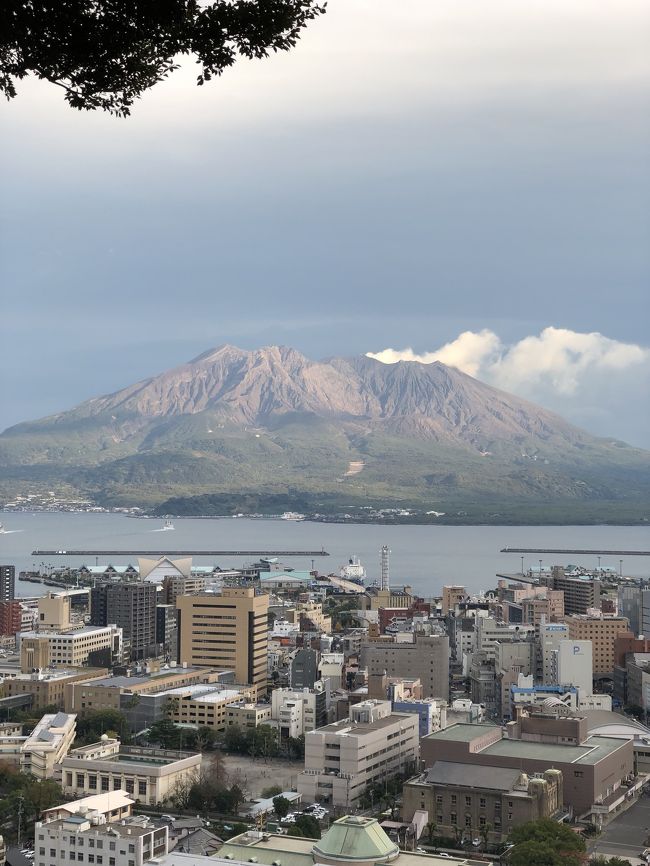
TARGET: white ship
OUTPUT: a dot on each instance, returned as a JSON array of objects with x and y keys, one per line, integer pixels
[
  {"x": 167, "y": 526},
  {"x": 292, "y": 515},
  {"x": 353, "y": 570}
]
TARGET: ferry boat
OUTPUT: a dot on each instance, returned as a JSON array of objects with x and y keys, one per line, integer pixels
[
  {"x": 167, "y": 526},
  {"x": 292, "y": 515},
  {"x": 353, "y": 571}
]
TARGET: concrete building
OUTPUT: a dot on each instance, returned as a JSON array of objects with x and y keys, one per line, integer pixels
[
  {"x": 10, "y": 617},
  {"x": 150, "y": 775},
  {"x": 427, "y": 660},
  {"x": 525, "y": 694},
  {"x": 132, "y": 607},
  {"x": 175, "y": 585},
  {"x": 512, "y": 660},
  {"x": 451, "y": 596},
  {"x": 549, "y": 635},
  {"x": 55, "y": 612},
  {"x": 94, "y": 645},
  {"x": 87, "y": 837},
  {"x": 331, "y": 667},
  {"x": 166, "y": 634},
  {"x": 483, "y": 802},
  {"x": 48, "y": 744},
  {"x": 575, "y": 665},
  {"x": 205, "y": 705},
  {"x": 342, "y": 759},
  {"x": 228, "y": 631},
  {"x": 431, "y": 713},
  {"x": 48, "y": 688},
  {"x": 116, "y": 692},
  {"x": 303, "y": 672},
  {"x": 581, "y": 593},
  {"x": 631, "y": 606},
  {"x": 110, "y": 807},
  {"x": 7, "y": 582},
  {"x": 598, "y": 771},
  {"x": 298, "y": 711},
  {"x": 353, "y": 840},
  {"x": 549, "y": 607},
  {"x": 602, "y": 631},
  {"x": 157, "y": 570},
  {"x": 247, "y": 715}
]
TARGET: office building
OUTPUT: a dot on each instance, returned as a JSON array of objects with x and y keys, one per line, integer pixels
[
  {"x": 549, "y": 635},
  {"x": 247, "y": 715},
  {"x": 482, "y": 802},
  {"x": 54, "y": 612},
  {"x": 344, "y": 758},
  {"x": 228, "y": 630},
  {"x": 581, "y": 593},
  {"x": 575, "y": 665},
  {"x": 150, "y": 775},
  {"x": 205, "y": 705},
  {"x": 451, "y": 596},
  {"x": 7, "y": 582},
  {"x": 298, "y": 711},
  {"x": 87, "y": 836},
  {"x": 48, "y": 688},
  {"x": 598, "y": 771},
  {"x": 166, "y": 635},
  {"x": 303, "y": 672},
  {"x": 602, "y": 631},
  {"x": 132, "y": 607},
  {"x": 427, "y": 659},
  {"x": 93, "y": 645}
]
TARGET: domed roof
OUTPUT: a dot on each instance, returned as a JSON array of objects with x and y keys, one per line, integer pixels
[{"x": 354, "y": 838}]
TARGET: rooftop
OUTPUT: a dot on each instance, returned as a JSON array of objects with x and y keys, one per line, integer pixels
[
  {"x": 347, "y": 727},
  {"x": 473, "y": 776},
  {"x": 141, "y": 679}
]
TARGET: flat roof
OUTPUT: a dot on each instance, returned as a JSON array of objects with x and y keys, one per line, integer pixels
[
  {"x": 347, "y": 726},
  {"x": 124, "y": 681},
  {"x": 462, "y": 732}
]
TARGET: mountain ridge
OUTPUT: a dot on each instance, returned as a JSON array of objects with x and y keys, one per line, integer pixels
[{"x": 270, "y": 419}]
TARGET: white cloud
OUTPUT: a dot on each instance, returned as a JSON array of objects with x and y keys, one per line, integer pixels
[{"x": 591, "y": 379}]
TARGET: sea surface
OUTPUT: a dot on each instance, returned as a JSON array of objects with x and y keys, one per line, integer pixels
[{"x": 426, "y": 557}]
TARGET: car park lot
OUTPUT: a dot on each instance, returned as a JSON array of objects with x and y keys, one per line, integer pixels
[{"x": 627, "y": 835}]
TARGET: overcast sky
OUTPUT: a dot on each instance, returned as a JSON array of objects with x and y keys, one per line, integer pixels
[{"x": 410, "y": 173}]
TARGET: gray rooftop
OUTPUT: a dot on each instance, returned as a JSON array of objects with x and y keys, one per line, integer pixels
[{"x": 490, "y": 778}]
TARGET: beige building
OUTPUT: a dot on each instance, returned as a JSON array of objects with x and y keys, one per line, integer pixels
[
  {"x": 106, "y": 693},
  {"x": 48, "y": 689},
  {"x": 227, "y": 630},
  {"x": 248, "y": 715},
  {"x": 344, "y": 758},
  {"x": 451, "y": 596},
  {"x": 481, "y": 802},
  {"x": 175, "y": 585},
  {"x": 375, "y": 598},
  {"x": 548, "y": 608},
  {"x": 602, "y": 631},
  {"x": 48, "y": 744},
  {"x": 205, "y": 705},
  {"x": 68, "y": 648},
  {"x": 54, "y": 612},
  {"x": 311, "y": 617},
  {"x": 150, "y": 775},
  {"x": 427, "y": 660}
]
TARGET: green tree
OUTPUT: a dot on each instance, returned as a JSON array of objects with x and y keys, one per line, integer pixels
[
  {"x": 431, "y": 829},
  {"x": 545, "y": 843},
  {"x": 306, "y": 826},
  {"x": 281, "y": 806},
  {"x": 91, "y": 724},
  {"x": 271, "y": 791},
  {"x": 106, "y": 55}
]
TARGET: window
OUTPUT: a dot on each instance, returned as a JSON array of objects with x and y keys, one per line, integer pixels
[
  {"x": 142, "y": 788},
  {"x": 482, "y": 802},
  {"x": 111, "y": 861},
  {"x": 578, "y": 774},
  {"x": 439, "y": 799},
  {"x": 111, "y": 846},
  {"x": 105, "y": 783},
  {"x": 68, "y": 779},
  {"x": 100, "y": 844},
  {"x": 468, "y": 801},
  {"x": 92, "y": 782},
  {"x": 452, "y": 818},
  {"x": 468, "y": 820},
  {"x": 72, "y": 855},
  {"x": 91, "y": 858},
  {"x": 41, "y": 851},
  {"x": 52, "y": 852},
  {"x": 453, "y": 799},
  {"x": 131, "y": 849},
  {"x": 481, "y": 821},
  {"x": 91, "y": 843}
]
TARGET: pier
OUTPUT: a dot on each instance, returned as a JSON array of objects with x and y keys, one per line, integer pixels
[
  {"x": 155, "y": 554},
  {"x": 577, "y": 552}
]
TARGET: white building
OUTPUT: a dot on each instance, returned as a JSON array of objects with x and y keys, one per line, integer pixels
[
  {"x": 331, "y": 667},
  {"x": 297, "y": 711},
  {"x": 575, "y": 665},
  {"x": 69, "y": 649},
  {"x": 549, "y": 636},
  {"x": 344, "y": 758},
  {"x": 151, "y": 775},
  {"x": 87, "y": 837},
  {"x": 48, "y": 744}
]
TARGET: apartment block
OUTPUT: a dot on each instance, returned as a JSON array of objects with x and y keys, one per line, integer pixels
[
  {"x": 10, "y": 617},
  {"x": 7, "y": 582},
  {"x": 427, "y": 659},
  {"x": 581, "y": 593},
  {"x": 150, "y": 775},
  {"x": 344, "y": 758},
  {"x": 131, "y": 606},
  {"x": 227, "y": 630},
  {"x": 298, "y": 711},
  {"x": 602, "y": 631}
]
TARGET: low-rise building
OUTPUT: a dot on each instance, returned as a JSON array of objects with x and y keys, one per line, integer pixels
[
  {"x": 87, "y": 837},
  {"x": 48, "y": 744},
  {"x": 482, "y": 802},
  {"x": 298, "y": 711},
  {"x": 70, "y": 648},
  {"x": 247, "y": 715},
  {"x": 343, "y": 758},
  {"x": 48, "y": 688},
  {"x": 150, "y": 775},
  {"x": 115, "y": 806},
  {"x": 205, "y": 705}
]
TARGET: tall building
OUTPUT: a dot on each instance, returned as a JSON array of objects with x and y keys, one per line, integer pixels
[
  {"x": 132, "y": 607},
  {"x": 427, "y": 660},
  {"x": 575, "y": 665},
  {"x": 7, "y": 582},
  {"x": 549, "y": 636},
  {"x": 630, "y": 605},
  {"x": 580, "y": 593},
  {"x": 303, "y": 672},
  {"x": 451, "y": 595},
  {"x": 602, "y": 631},
  {"x": 10, "y": 617},
  {"x": 227, "y": 630}
]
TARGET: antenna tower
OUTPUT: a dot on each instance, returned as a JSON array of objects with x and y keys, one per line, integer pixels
[{"x": 385, "y": 567}]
